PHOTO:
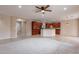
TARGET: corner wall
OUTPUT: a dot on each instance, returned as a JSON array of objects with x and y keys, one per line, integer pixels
[
  {"x": 69, "y": 28},
  {"x": 4, "y": 27},
  {"x": 13, "y": 31},
  {"x": 28, "y": 28}
]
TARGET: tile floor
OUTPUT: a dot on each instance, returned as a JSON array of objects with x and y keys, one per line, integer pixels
[{"x": 41, "y": 45}]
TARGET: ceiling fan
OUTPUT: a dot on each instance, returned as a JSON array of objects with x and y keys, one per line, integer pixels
[{"x": 43, "y": 9}]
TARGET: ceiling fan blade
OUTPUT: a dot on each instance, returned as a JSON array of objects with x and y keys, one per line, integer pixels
[
  {"x": 49, "y": 10},
  {"x": 37, "y": 7},
  {"x": 46, "y": 7}
]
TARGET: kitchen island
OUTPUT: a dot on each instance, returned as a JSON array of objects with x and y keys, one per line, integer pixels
[{"x": 47, "y": 32}]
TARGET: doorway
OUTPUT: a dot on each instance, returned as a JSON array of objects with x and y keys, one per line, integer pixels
[{"x": 21, "y": 29}]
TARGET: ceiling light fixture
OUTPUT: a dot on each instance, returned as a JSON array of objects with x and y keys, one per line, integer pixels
[
  {"x": 65, "y": 8},
  {"x": 19, "y": 6},
  {"x": 42, "y": 11},
  {"x": 19, "y": 20}
]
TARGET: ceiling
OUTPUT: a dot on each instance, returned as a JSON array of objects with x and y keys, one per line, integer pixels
[{"x": 28, "y": 11}]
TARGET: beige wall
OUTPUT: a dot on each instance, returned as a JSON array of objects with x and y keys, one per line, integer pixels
[
  {"x": 13, "y": 30},
  {"x": 8, "y": 27},
  {"x": 69, "y": 28},
  {"x": 4, "y": 27},
  {"x": 78, "y": 27},
  {"x": 28, "y": 28},
  {"x": 25, "y": 29}
]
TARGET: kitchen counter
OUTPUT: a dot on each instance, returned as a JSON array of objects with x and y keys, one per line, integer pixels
[{"x": 47, "y": 32}]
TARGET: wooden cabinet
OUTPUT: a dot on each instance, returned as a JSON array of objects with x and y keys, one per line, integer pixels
[
  {"x": 57, "y": 31},
  {"x": 54, "y": 25},
  {"x": 36, "y": 28}
]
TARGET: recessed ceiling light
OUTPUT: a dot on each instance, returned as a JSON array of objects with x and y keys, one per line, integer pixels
[
  {"x": 19, "y": 6},
  {"x": 19, "y": 20},
  {"x": 65, "y": 8}
]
